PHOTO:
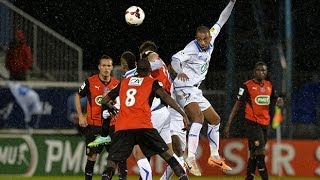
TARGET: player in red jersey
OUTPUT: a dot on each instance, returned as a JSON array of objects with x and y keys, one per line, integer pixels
[
  {"x": 93, "y": 88},
  {"x": 256, "y": 95},
  {"x": 134, "y": 126}
]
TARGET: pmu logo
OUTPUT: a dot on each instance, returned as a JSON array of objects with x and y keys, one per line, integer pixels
[
  {"x": 262, "y": 100},
  {"x": 98, "y": 100},
  {"x": 18, "y": 151}
]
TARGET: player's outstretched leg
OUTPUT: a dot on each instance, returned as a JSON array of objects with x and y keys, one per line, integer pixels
[
  {"x": 215, "y": 160},
  {"x": 193, "y": 142}
]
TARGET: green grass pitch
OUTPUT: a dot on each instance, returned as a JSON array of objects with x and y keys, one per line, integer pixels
[{"x": 135, "y": 178}]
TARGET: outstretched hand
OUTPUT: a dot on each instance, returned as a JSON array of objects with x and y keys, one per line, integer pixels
[
  {"x": 183, "y": 77},
  {"x": 112, "y": 109}
]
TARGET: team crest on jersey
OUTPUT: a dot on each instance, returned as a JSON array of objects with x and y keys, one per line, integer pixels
[
  {"x": 262, "y": 100},
  {"x": 211, "y": 30},
  {"x": 98, "y": 100},
  {"x": 106, "y": 89},
  {"x": 135, "y": 81}
]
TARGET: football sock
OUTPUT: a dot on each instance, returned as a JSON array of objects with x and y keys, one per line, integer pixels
[
  {"x": 177, "y": 169},
  {"x": 213, "y": 137},
  {"x": 251, "y": 168},
  {"x": 193, "y": 139},
  {"x": 122, "y": 170},
  {"x": 167, "y": 173},
  {"x": 89, "y": 169},
  {"x": 145, "y": 169},
  {"x": 262, "y": 167},
  {"x": 105, "y": 127},
  {"x": 108, "y": 173}
]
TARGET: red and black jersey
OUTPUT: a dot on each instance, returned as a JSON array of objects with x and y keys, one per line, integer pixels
[
  {"x": 163, "y": 76},
  {"x": 93, "y": 88},
  {"x": 136, "y": 95},
  {"x": 257, "y": 100}
]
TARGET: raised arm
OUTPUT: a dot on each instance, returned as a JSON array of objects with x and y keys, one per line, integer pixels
[{"x": 224, "y": 16}]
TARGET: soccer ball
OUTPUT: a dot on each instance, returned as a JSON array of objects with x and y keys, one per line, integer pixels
[{"x": 134, "y": 15}]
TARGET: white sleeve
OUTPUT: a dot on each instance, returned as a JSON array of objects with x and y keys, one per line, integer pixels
[
  {"x": 214, "y": 31},
  {"x": 176, "y": 65},
  {"x": 224, "y": 16}
]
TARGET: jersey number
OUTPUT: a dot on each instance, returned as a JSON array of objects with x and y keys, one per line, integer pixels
[{"x": 130, "y": 100}]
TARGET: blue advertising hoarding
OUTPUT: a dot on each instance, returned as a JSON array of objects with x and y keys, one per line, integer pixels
[{"x": 57, "y": 110}]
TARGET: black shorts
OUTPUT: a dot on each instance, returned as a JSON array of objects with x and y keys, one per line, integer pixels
[
  {"x": 257, "y": 135},
  {"x": 149, "y": 140}
]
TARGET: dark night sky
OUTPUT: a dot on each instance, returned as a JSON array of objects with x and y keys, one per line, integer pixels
[{"x": 98, "y": 27}]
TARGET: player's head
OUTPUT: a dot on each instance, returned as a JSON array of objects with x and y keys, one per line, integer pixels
[
  {"x": 105, "y": 65},
  {"x": 260, "y": 71},
  {"x": 128, "y": 61},
  {"x": 143, "y": 67},
  {"x": 147, "y": 46},
  {"x": 203, "y": 37}
]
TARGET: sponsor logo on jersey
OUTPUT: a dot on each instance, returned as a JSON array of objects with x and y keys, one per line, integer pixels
[
  {"x": 98, "y": 100},
  {"x": 135, "y": 81},
  {"x": 204, "y": 67},
  {"x": 262, "y": 100}
]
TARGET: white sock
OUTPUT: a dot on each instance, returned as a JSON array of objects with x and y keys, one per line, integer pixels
[
  {"x": 193, "y": 139},
  {"x": 181, "y": 161},
  {"x": 145, "y": 169},
  {"x": 214, "y": 137},
  {"x": 178, "y": 159},
  {"x": 167, "y": 174},
  {"x": 168, "y": 171}
]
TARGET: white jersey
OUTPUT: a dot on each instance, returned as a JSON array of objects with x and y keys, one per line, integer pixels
[{"x": 195, "y": 61}]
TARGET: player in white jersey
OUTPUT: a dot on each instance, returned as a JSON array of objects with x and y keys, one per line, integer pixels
[
  {"x": 191, "y": 65},
  {"x": 159, "y": 112},
  {"x": 178, "y": 136}
]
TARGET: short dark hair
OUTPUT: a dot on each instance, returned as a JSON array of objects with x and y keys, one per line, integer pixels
[
  {"x": 203, "y": 29},
  {"x": 148, "y": 46},
  {"x": 130, "y": 58},
  {"x": 143, "y": 67},
  {"x": 260, "y": 63},
  {"x": 104, "y": 56}
]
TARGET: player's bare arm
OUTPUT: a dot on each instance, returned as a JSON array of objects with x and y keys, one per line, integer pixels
[
  {"x": 233, "y": 113},
  {"x": 82, "y": 118},
  {"x": 172, "y": 103}
]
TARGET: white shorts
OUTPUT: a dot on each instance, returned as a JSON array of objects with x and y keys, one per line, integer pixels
[
  {"x": 186, "y": 95},
  {"x": 161, "y": 121},
  {"x": 176, "y": 126}
]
